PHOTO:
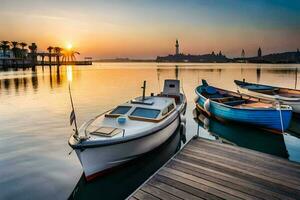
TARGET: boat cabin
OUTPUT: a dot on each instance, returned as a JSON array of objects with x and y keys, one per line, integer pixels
[{"x": 153, "y": 109}]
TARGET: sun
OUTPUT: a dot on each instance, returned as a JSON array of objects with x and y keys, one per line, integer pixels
[{"x": 69, "y": 46}]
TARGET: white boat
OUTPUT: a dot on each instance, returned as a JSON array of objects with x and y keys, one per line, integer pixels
[
  {"x": 285, "y": 96},
  {"x": 129, "y": 130}
]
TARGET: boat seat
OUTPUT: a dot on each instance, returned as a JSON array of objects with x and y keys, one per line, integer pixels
[
  {"x": 235, "y": 102},
  {"x": 216, "y": 96}
]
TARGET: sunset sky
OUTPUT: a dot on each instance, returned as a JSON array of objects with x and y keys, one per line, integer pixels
[{"x": 147, "y": 28}]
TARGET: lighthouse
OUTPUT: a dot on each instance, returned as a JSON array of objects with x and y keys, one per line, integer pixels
[{"x": 177, "y": 47}]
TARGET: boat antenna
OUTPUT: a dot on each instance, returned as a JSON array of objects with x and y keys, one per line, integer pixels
[
  {"x": 72, "y": 115},
  {"x": 144, "y": 90}
]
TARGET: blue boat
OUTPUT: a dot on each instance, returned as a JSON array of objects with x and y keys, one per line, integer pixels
[{"x": 232, "y": 106}]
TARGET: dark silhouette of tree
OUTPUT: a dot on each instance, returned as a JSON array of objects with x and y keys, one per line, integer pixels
[
  {"x": 69, "y": 55},
  {"x": 23, "y": 45},
  {"x": 15, "y": 48},
  {"x": 57, "y": 51},
  {"x": 33, "y": 53},
  {"x": 213, "y": 53},
  {"x": 50, "y": 53}
]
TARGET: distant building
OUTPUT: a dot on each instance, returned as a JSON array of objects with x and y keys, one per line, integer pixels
[
  {"x": 259, "y": 54},
  {"x": 177, "y": 48},
  {"x": 243, "y": 53},
  {"x": 180, "y": 57}
]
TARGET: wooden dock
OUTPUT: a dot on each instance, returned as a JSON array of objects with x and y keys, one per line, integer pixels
[{"x": 211, "y": 170}]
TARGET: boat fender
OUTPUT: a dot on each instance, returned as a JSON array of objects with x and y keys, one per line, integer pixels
[
  {"x": 182, "y": 118},
  {"x": 206, "y": 123},
  {"x": 183, "y": 132},
  {"x": 206, "y": 105}
]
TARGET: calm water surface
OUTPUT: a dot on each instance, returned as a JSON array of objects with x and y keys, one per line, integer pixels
[{"x": 34, "y": 123}]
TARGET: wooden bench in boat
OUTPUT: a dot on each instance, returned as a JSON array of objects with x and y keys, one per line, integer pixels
[{"x": 255, "y": 105}]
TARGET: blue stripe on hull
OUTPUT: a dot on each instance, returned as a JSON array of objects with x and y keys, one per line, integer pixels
[{"x": 265, "y": 118}]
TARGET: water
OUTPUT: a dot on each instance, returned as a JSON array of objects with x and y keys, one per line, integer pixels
[{"x": 35, "y": 107}]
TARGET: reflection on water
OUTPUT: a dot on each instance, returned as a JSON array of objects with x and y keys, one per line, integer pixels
[
  {"x": 35, "y": 108},
  {"x": 123, "y": 181},
  {"x": 248, "y": 137}
]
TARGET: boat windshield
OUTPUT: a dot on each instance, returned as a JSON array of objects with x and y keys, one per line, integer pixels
[
  {"x": 120, "y": 110},
  {"x": 145, "y": 113}
]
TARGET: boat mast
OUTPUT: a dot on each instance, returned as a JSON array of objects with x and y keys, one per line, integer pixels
[
  {"x": 144, "y": 90},
  {"x": 73, "y": 116}
]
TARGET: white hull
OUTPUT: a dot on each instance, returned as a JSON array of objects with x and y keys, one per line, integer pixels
[
  {"x": 294, "y": 104},
  {"x": 98, "y": 159}
]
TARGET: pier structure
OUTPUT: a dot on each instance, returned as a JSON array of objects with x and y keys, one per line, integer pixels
[
  {"x": 206, "y": 169},
  {"x": 12, "y": 56}
]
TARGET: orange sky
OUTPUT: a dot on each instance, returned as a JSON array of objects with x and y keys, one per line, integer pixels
[{"x": 145, "y": 29}]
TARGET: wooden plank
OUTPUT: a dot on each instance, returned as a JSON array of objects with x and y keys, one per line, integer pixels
[
  {"x": 243, "y": 157},
  {"x": 283, "y": 164},
  {"x": 269, "y": 192},
  {"x": 269, "y": 174},
  {"x": 211, "y": 184},
  {"x": 197, "y": 185},
  {"x": 242, "y": 163},
  {"x": 132, "y": 198},
  {"x": 172, "y": 190},
  {"x": 144, "y": 195},
  {"x": 239, "y": 186},
  {"x": 184, "y": 186},
  {"x": 237, "y": 172},
  {"x": 205, "y": 170},
  {"x": 248, "y": 152},
  {"x": 154, "y": 191}
]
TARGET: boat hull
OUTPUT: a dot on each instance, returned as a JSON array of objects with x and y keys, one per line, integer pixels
[
  {"x": 294, "y": 104},
  {"x": 263, "y": 118},
  {"x": 99, "y": 159}
]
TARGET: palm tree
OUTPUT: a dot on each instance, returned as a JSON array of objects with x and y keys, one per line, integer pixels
[
  {"x": 14, "y": 48},
  {"x": 4, "y": 45},
  {"x": 69, "y": 55},
  {"x": 50, "y": 53},
  {"x": 33, "y": 50},
  {"x": 57, "y": 51},
  {"x": 23, "y": 45}
]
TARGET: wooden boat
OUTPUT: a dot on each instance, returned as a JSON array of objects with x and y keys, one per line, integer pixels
[
  {"x": 285, "y": 96},
  {"x": 232, "y": 106},
  {"x": 129, "y": 130}
]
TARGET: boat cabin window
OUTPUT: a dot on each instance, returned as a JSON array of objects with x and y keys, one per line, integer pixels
[
  {"x": 168, "y": 109},
  {"x": 145, "y": 113},
  {"x": 120, "y": 110}
]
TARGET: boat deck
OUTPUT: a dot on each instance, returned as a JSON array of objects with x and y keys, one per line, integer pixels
[{"x": 211, "y": 170}]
